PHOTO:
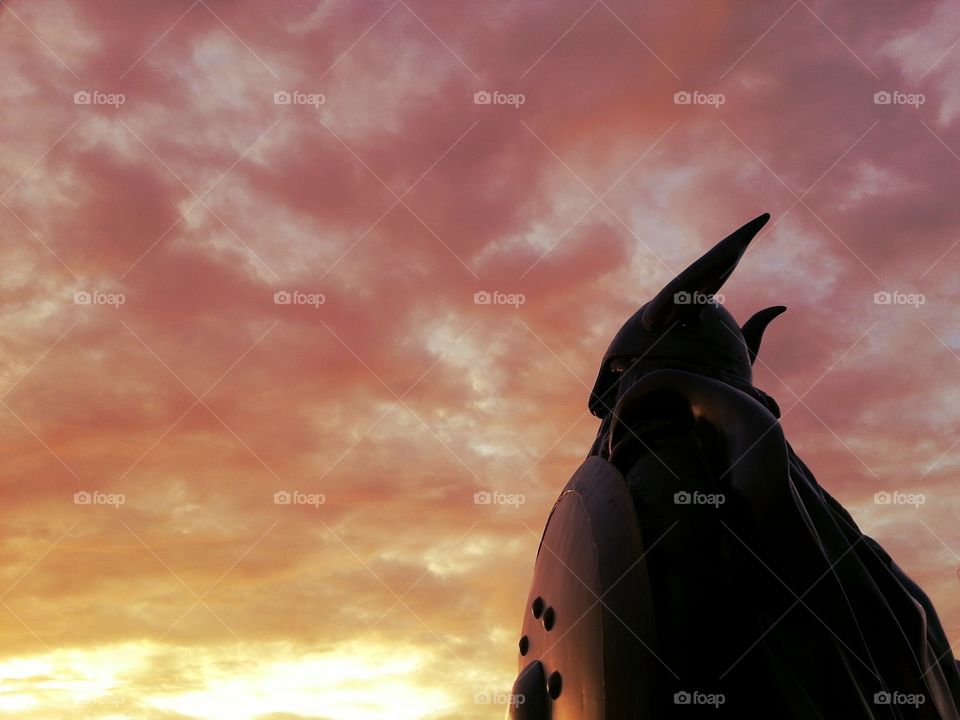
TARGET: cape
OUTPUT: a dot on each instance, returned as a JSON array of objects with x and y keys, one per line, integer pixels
[{"x": 765, "y": 590}]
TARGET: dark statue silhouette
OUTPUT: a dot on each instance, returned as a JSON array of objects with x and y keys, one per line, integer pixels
[{"x": 694, "y": 567}]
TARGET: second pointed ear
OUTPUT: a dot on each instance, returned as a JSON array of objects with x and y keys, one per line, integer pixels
[{"x": 753, "y": 328}]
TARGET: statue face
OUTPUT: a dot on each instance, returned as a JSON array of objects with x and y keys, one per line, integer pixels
[{"x": 710, "y": 345}]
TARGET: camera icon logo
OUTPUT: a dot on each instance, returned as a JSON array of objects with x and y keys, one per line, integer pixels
[
  {"x": 82, "y": 297},
  {"x": 82, "y": 97},
  {"x": 682, "y": 98},
  {"x": 482, "y": 97},
  {"x": 882, "y": 698},
  {"x": 282, "y": 497},
  {"x": 482, "y": 297},
  {"x": 682, "y": 698},
  {"x": 82, "y": 498},
  {"x": 282, "y": 297},
  {"x": 882, "y": 297},
  {"x": 482, "y": 497},
  {"x": 282, "y": 97},
  {"x": 682, "y": 498},
  {"x": 882, "y": 97}
]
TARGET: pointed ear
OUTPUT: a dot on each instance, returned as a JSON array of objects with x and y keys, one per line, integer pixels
[
  {"x": 753, "y": 328},
  {"x": 705, "y": 277}
]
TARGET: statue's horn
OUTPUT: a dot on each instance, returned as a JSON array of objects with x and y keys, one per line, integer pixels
[
  {"x": 704, "y": 277},
  {"x": 753, "y": 328}
]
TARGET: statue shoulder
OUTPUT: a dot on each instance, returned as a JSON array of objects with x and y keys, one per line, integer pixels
[{"x": 718, "y": 419}]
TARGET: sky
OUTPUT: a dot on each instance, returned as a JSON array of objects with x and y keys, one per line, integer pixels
[{"x": 285, "y": 285}]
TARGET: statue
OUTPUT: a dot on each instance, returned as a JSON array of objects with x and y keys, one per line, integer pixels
[{"x": 694, "y": 567}]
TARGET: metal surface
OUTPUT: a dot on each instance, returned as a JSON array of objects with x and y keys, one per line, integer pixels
[
  {"x": 773, "y": 600},
  {"x": 528, "y": 699},
  {"x": 588, "y": 619}
]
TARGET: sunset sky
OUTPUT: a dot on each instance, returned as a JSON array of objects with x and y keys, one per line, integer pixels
[{"x": 211, "y": 295}]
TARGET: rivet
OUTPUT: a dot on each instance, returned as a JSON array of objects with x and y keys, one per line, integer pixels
[
  {"x": 549, "y": 618},
  {"x": 537, "y": 607},
  {"x": 554, "y": 685}
]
